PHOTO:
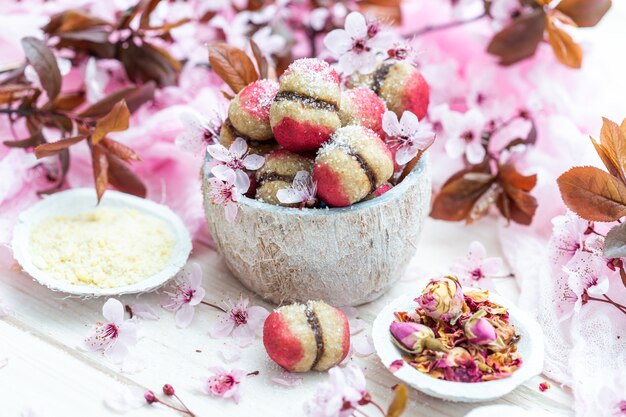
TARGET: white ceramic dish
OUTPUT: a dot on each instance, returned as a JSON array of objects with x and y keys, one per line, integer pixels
[
  {"x": 530, "y": 347},
  {"x": 80, "y": 200}
]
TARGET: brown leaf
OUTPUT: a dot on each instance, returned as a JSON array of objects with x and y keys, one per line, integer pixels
[
  {"x": 399, "y": 402},
  {"x": 593, "y": 194},
  {"x": 120, "y": 150},
  {"x": 54, "y": 148},
  {"x": 45, "y": 64},
  {"x": 93, "y": 42},
  {"x": 149, "y": 63},
  {"x": 458, "y": 195},
  {"x": 134, "y": 96},
  {"x": 69, "y": 101},
  {"x": 510, "y": 176},
  {"x": 72, "y": 20},
  {"x": 64, "y": 162},
  {"x": 261, "y": 62},
  {"x": 566, "y": 50},
  {"x": 232, "y": 65},
  {"x": 115, "y": 121},
  {"x": 585, "y": 13},
  {"x": 100, "y": 165},
  {"x": 520, "y": 39},
  {"x": 613, "y": 147},
  {"x": 36, "y": 138},
  {"x": 615, "y": 242},
  {"x": 385, "y": 10},
  {"x": 122, "y": 178},
  {"x": 13, "y": 92},
  {"x": 129, "y": 14},
  {"x": 530, "y": 139}
]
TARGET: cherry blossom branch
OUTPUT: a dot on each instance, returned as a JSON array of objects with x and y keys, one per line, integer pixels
[
  {"x": 222, "y": 309},
  {"x": 444, "y": 26},
  {"x": 609, "y": 301}
]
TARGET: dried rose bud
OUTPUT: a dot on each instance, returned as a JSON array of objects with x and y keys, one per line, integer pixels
[
  {"x": 150, "y": 397},
  {"x": 168, "y": 390},
  {"x": 478, "y": 329},
  {"x": 411, "y": 336},
  {"x": 442, "y": 299}
]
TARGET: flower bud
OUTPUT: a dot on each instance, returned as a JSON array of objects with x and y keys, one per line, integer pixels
[
  {"x": 150, "y": 397},
  {"x": 442, "y": 299},
  {"x": 410, "y": 336},
  {"x": 168, "y": 390},
  {"x": 478, "y": 330}
]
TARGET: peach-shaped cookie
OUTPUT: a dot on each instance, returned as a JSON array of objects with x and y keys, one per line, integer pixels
[
  {"x": 278, "y": 172},
  {"x": 304, "y": 113},
  {"x": 353, "y": 164},
  {"x": 249, "y": 111},
  {"x": 303, "y": 337},
  {"x": 361, "y": 106}
]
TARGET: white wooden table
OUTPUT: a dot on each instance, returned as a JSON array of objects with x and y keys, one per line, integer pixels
[{"x": 47, "y": 373}]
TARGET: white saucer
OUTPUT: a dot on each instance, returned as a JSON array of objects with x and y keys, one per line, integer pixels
[
  {"x": 530, "y": 347},
  {"x": 80, "y": 200}
]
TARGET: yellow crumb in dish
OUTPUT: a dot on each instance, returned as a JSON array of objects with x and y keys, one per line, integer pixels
[{"x": 106, "y": 248}]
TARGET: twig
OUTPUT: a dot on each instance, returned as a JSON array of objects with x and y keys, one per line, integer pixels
[
  {"x": 444, "y": 26},
  {"x": 222, "y": 309}
]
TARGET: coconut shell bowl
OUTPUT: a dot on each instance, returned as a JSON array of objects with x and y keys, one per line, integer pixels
[{"x": 345, "y": 256}]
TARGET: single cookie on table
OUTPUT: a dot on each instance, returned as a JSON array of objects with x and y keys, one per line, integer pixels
[
  {"x": 353, "y": 164},
  {"x": 361, "y": 106},
  {"x": 305, "y": 112},
  {"x": 228, "y": 134},
  {"x": 400, "y": 85},
  {"x": 303, "y": 337},
  {"x": 278, "y": 172},
  {"x": 249, "y": 111}
]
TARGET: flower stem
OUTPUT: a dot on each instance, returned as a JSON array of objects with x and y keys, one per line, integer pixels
[
  {"x": 222, "y": 309},
  {"x": 379, "y": 408},
  {"x": 252, "y": 373},
  {"x": 180, "y": 410},
  {"x": 609, "y": 301},
  {"x": 183, "y": 404},
  {"x": 444, "y": 26},
  {"x": 363, "y": 413}
]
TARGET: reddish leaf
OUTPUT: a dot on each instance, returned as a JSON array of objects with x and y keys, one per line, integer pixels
[
  {"x": 100, "y": 165},
  {"x": 13, "y": 92},
  {"x": 530, "y": 139},
  {"x": 134, "y": 96},
  {"x": 145, "y": 15},
  {"x": 72, "y": 20},
  {"x": 120, "y": 150},
  {"x": 585, "y": 13},
  {"x": 64, "y": 166},
  {"x": 520, "y": 39},
  {"x": 35, "y": 139},
  {"x": 615, "y": 242},
  {"x": 232, "y": 65},
  {"x": 593, "y": 194},
  {"x": 612, "y": 148},
  {"x": 129, "y": 14},
  {"x": 611, "y": 164},
  {"x": 91, "y": 42},
  {"x": 122, "y": 178},
  {"x": 54, "y": 148},
  {"x": 510, "y": 176},
  {"x": 68, "y": 102},
  {"x": 261, "y": 62},
  {"x": 517, "y": 205},
  {"x": 45, "y": 64},
  {"x": 460, "y": 193},
  {"x": 386, "y": 10},
  {"x": 149, "y": 63},
  {"x": 115, "y": 121},
  {"x": 566, "y": 50}
]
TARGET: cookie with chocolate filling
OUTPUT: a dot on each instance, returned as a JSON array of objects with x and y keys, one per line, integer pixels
[
  {"x": 305, "y": 112},
  {"x": 353, "y": 164},
  {"x": 249, "y": 111},
  {"x": 277, "y": 173},
  {"x": 303, "y": 337}
]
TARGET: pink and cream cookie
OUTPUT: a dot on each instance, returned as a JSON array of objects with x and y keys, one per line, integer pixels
[
  {"x": 352, "y": 165},
  {"x": 249, "y": 111},
  {"x": 228, "y": 134},
  {"x": 303, "y": 337},
  {"x": 305, "y": 112},
  {"x": 400, "y": 85},
  {"x": 278, "y": 172},
  {"x": 361, "y": 106}
]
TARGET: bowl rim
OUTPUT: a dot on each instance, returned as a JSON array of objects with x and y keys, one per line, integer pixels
[
  {"x": 532, "y": 364},
  {"x": 80, "y": 200},
  {"x": 396, "y": 192}
]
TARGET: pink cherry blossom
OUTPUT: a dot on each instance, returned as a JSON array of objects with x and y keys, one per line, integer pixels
[
  {"x": 396, "y": 365},
  {"x": 116, "y": 336},
  {"x": 476, "y": 266},
  {"x": 268, "y": 41},
  {"x": 144, "y": 311},
  {"x": 234, "y": 159},
  {"x": 187, "y": 293},
  {"x": 240, "y": 321},
  {"x": 286, "y": 379},
  {"x": 406, "y": 135},
  {"x": 358, "y": 45},
  {"x": 588, "y": 276},
  {"x": 303, "y": 191},
  {"x": 464, "y": 135},
  {"x": 568, "y": 236},
  {"x": 225, "y": 384},
  {"x": 198, "y": 131},
  {"x": 225, "y": 193},
  {"x": 340, "y": 395}
]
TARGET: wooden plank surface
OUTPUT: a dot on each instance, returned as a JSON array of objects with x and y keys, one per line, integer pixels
[{"x": 45, "y": 371}]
